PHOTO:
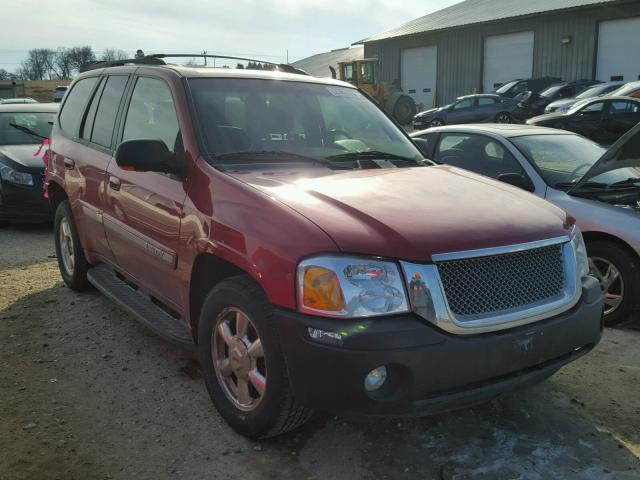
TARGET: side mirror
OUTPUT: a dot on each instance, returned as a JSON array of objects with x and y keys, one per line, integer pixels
[
  {"x": 518, "y": 180},
  {"x": 423, "y": 145},
  {"x": 146, "y": 155}
]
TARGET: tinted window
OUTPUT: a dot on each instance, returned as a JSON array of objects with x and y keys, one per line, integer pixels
[
  {"x": 620, "y": 108},
  {"x": 107, "y": 110},
  {"x": 483, "y": 101},
  {"x": 91, "y": 112},
  {"x": 466, "y": 103},
  {"x": 477, "y": 153},
  {"x": 593, "y": 109},
  {"x": 76, "y": 100},
  {"x": 151, "y": 113}
]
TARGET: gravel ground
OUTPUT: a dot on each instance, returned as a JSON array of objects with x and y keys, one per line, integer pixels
[{"x": 88, "y": 393}]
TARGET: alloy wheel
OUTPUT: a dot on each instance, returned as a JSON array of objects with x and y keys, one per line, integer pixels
[
  {"x": 611, "y": 282},
  {"x": 503, "y": 118},
  {"x": 436, "y": 123},
  {"x": 66, "y": 246},
  {"x": 238, "y": 359}
]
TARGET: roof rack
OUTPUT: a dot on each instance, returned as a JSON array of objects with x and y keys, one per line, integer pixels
[{"x": 158, "y": 59}]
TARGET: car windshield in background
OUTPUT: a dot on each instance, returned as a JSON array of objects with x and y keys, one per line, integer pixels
[
  {"x": 505, "y": 88},
  {"x": 551, "y": 91},
  {"x": 590, "y": 92},
  {"x": 37, "y": 123},
  {"x": 242, "y": 117}
]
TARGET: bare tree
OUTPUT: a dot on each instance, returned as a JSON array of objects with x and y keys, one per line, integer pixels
[
  {"x": 80, "y": 56},
  {"x": 39, "y": 64},
  {"x": 6, "y": 75},
  {"x": 62, "y": 63},
  {"x": 112, "y": 54}
]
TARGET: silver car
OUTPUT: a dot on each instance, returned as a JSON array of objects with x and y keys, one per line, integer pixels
[{"x": 599, "y": 187}]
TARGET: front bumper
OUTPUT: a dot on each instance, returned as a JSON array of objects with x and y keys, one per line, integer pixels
[
  {"x": 430, "y": 371},
  {"x": 24, "y": 203}
]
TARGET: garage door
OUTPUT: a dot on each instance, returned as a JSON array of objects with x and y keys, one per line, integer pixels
[
  {"x": 615, "y": 60},
  {"x": 418, "y": 74},
  {"x": 507, "y": 57}
]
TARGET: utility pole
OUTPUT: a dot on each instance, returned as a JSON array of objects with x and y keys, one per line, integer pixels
[
  {"x": 287, "y": 56},
  {"x": 204, "y": 52}
]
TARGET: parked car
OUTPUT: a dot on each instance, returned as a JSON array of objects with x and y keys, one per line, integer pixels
[
  {"x": 58, "y": 93},
  {"x": 467, "y": 109},
  {"x": 603, "y": 119},
  {"x": 288, "y": 230},
  {"x": 22, "y": 129},
  {"x": 631, "y": 89},
  {"x": 516, "y": 87},
  {"x": 599, "y": 187},
  {"x": 598, "y": 90},
  {"x": 533, "y": 104},
  {"x": 11, "y": 101}
]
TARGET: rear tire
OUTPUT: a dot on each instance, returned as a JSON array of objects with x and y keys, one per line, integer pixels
[
  {"x": 71, "y": 260},
  {"x": 503, "y": 117},
  {"x": 404, "y": 110},
  {"x": 619, "y": 276},
  {"x": 270, "y": 408}
]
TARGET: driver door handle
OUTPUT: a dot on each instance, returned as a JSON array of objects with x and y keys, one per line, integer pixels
[{"x": 114, "y": 183}]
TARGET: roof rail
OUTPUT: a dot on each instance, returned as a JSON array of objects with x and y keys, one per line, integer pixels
[
  {"x": 158, "y": 59},
  {"x": 283, "y": 67}
]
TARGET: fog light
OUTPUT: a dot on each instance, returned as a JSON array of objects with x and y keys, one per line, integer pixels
[{"x": 375, "y": 379}]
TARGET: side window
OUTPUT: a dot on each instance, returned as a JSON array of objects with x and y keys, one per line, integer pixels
[
  {"x": 521, "y": 87},
  {"x": 105, "y": 116},
  {"x": 595, "y": 109},
  {"x": 484, "y": 101},
  {"x": 368, "y": 73},
  {"x": 621, "y": 108},
  {"x": 348, "y": 73},
  {"x": 151, "y": 113},
  {"x": 87, "y": 126},
  {"x": 478, "y": 154},
  {"x": 466, "y": 103},
  {"x": 74, "y": 105}
]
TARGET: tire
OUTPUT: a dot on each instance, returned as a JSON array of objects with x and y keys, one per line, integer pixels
[
  {"x": 601, "y": 253},
  {"x": 503, "y": 117},
  {"x": 74, "y": 272},
  {"x": 437, "y": 122},
  {"x": 271, "y": 413},
  {"x": 404, "y": 110}
]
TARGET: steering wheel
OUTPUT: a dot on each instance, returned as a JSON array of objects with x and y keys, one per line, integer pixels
[
  {"x": 338, "y": 132},
  {"x": 575, "y": 171}
]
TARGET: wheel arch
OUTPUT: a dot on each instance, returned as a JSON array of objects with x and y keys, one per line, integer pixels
[
  {"x": 208, "y": 270},
  {"x": 56, "y": 195},
  {"x": 595, "y": 236}
]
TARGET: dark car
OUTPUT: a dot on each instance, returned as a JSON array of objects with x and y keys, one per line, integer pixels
[
  {"x": 516, "y": 87},
  {"x": 603, "y": 120},
  {"x": 468, "y": 109},
  {"x": 285, "y": 228},
  {"x": 598, "y": 90},
  {"x": 58, "y": 93},
  {"x": 532, "y": 104},
  {"x": 600, "y": 188},
  {"x": 22, "y": 129}
]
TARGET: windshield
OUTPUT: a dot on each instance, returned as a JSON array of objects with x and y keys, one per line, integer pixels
[
  {"x": 562, "y": 160},
  {"x": 626, "y": 89},
  {"x": 245, "y": 116},
  {"x": 590, "y": 92},
  {"x": 551, "y": 91},
  {"x": 505, "y": 88},
  {"x": 39, "y": 123}
]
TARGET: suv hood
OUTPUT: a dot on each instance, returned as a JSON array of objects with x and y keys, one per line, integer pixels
[
  {"x": 412, "y": 213},
  {"x": 624, "y": 153},
  {"x": 22, "y": 154}
]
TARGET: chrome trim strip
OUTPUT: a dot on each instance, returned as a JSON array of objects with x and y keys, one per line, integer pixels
[
  {"x": 157, "y": 252},
  {"x": 445, "y": 319},
  {"x": 488, "y": 252}
]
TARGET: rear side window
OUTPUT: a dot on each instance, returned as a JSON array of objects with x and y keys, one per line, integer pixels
[
  {"x": 108, "y": 109},
  {"x": 483, "y": 101},
  {"x": 72, "y": 111},
  {"x": 152, "y": 113},
  {"x": 91, "y": 112}
]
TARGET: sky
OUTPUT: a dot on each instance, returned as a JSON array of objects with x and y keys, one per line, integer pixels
[{"x": 256, "y": 28}]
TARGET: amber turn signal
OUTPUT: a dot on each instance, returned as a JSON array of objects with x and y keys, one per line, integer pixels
[{"x": 322, "y": 290}]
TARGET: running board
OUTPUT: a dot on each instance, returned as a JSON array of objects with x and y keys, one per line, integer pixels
[{"x": 134, "y": 303}]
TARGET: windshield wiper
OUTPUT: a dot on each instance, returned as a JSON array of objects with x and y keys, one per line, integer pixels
[
  {"x": 249, "y": 155},
  {"x": 27, "y": 130},
  {"x": 629, "y": 182},
  {"x": 374, "y": 155},
  {"x": 598, "y": 185}
]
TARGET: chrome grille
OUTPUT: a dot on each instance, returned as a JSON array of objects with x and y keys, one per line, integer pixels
[{"x": 483, "y": 285}]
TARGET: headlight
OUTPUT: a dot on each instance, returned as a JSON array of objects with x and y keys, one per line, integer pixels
[
  {"x": 350, "y": 287},
  {"x": 580, "y": 250},
  {"x": 8, "y": 174}
]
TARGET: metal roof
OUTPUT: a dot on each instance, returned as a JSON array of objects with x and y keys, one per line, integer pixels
[
  {"x": 471, "y": 12},
  {"x": 318, "y": 65}
]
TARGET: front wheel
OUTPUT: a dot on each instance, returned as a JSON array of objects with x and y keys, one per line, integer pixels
[
  {"x": 71, "y": 260},
  {"x": 242, "y": 363},
  {"x": 619, "y": 277},
  {"x": 437, "y": 122}
]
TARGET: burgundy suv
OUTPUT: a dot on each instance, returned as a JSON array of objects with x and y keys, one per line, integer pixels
[{"x": 289, "y": 231}]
